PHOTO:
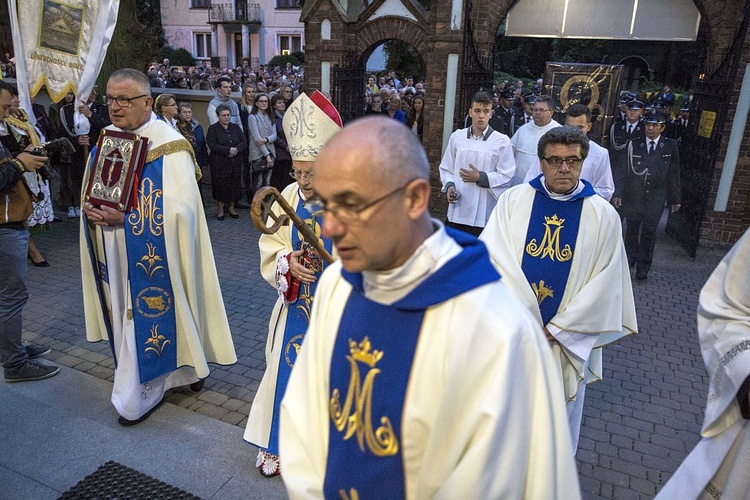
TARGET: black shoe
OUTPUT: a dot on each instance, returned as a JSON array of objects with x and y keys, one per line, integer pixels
[
  {"x": 35, "y": 351},
  {"x": 220, "y": 217},
  {"x": 127, "y": 423},
  {"x": 234, "y": 216},
  {"x": 240, "y": 205},
  {"x": 42, "y": 263},
  {"x": 640, "y": 276},
  {"x": 32, "y": 370},
  {"x": 197, "y": 386}
]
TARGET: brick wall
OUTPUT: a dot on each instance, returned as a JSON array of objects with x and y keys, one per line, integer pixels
[{"x": 726, "y": 227}]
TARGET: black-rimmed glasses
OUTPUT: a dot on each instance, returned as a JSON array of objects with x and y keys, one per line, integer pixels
[{"x": 123, "y": 102}]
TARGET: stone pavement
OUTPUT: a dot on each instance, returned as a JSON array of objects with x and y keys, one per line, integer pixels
[{"x": 639, "y": 422}]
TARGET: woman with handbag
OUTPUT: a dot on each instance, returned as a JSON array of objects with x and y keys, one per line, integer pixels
[
  {"x": 262, "y": 126},
  {"x": 227, "y": 144}
]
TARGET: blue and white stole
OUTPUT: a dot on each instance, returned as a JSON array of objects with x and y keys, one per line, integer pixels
[
  {"x": 297, "y": 321},
  {"x": 550, "y": 245},
  {"x": 151, "y": 292},
  {"x": 369, "y": 375}
]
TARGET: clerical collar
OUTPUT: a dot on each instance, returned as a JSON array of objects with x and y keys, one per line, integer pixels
[
  {"x": 565, "y": 196},
  {"x": 392, "y": 285},
  {"x": 482, "y": 137}
]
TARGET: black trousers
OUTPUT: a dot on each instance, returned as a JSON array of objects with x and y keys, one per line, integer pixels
[
  {"x": 472, "y": 230},
  {"x": 640, "y": 239}
]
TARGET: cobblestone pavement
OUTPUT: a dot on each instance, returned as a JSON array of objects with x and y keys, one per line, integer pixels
[{"x": 639, "y": 422}]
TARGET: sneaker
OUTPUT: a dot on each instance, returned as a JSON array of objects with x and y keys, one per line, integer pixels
[
  {"x": 78, "y": 212},
  {"x": 35, "y": 351},
  {"x": 32, "y": 370},
  {"x": 71, "y": 213}
]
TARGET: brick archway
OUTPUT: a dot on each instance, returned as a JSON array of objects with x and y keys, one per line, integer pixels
[{"x": 372, "y": 33}]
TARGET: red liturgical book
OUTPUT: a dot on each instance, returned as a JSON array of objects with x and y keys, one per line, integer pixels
[{"x": 118, "y": 162}]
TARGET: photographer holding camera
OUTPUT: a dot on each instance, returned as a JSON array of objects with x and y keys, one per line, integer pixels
[{"x": 15, "y": 201}]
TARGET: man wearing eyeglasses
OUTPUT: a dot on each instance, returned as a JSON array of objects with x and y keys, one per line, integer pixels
[
  {"x": 559, "y": 247},
  {"x": 292, "y": 267},
  {"x": 421, "y": 375},
  {"x": 150, "y": 285},
  {"x": 476, "y": 168},
  {"x": 525, "y": 140},
  {"x": 596, "y": 168}
]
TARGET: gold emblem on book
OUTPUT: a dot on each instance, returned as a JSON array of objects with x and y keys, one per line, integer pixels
[
  {"x": 356, "y": 414},
  {"x": 351, "y": 495},
  {"x": 550, "y": 245}
]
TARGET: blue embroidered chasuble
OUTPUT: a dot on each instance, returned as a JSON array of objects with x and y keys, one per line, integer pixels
[
  {"x": 550, "y": 245},
  {"x": 369, "y": 375},
  {"x": 297, "y": 319},
  {"x": 151, "y": 291}
]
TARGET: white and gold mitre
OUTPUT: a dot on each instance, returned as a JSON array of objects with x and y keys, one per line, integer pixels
[{"x": 308, "y": 124}]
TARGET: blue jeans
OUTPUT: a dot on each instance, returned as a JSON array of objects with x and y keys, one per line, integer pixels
[{"x": 14, "y": 274}]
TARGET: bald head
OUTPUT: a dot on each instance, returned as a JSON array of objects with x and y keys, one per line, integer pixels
[
  {"x": 393, "y": 155},
  {"x": 372, "y": 175}
]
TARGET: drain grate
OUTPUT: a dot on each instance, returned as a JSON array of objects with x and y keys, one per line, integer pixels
[{"x": 115, "y": 481}]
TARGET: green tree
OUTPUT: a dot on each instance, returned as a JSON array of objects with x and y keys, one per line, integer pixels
[
  {"x": 403, "y": 59},
  {"x": 137, "y": 37}
]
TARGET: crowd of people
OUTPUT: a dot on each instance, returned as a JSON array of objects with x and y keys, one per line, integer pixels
[
  {"x": 398, "y": 363},
  {"x": 402, "y": 101}
]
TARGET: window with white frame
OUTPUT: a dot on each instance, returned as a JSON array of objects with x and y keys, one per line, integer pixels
[
  {"x": 289, "y": 44},
  {"x": 202, "y": 42}
]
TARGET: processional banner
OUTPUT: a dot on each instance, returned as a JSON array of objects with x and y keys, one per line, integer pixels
[
  {"x": 595, "y": 85},
  {"x": 60, "y": 44}
]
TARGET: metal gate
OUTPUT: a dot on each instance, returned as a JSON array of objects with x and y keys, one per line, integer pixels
[
  {"x": 700, "y": 144},
  {"x": 477, "y": 73},
  {"x": 348, "y": 88}
]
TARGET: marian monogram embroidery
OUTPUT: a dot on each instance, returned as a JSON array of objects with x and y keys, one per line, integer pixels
[
  {"x": 148, "y": 210},
  {"x": 550, "y": 245},
  {"x": 356, "y": 414}
]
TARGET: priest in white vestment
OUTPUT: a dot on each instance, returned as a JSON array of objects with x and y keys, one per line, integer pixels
[
  {"x": 719, "y": 465},
  {"x": 476, "y": 168},
  {"x": 421, "y": 376},
  {"x": 292, "y": 266},
  {"x": 526, "y": 139},
  {"x": 596, "y": 167},
  {"x": 149, "y": 279},
  {"x": 558, "y": 247}
]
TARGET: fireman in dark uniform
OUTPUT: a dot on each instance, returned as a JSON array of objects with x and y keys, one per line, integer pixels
[{"x": 650, "y": 177}]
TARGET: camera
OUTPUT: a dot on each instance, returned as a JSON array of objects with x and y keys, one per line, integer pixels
[{"x": 61, "y": 145}]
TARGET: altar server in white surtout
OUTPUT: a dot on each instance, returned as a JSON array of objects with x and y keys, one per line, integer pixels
[
  {"x": 719, "y": 465},
  {"x": 476, "y": 168},
  {"x": 596, "y": 168},
  {"x": 292, "y": 267},
  {"x": 421, "y": 375},
  {"x": 558, "y": 247},
  {"x": 149, "y": 279},
  {"x": 526, "y": 139}
]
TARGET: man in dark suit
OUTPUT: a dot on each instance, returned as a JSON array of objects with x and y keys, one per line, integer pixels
[
  {"x": 83, "y": 133},
  {"x": 520, "y": 119},
  {"x": 503, "y": 112},
  {"x": 649, "y": 178}
]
